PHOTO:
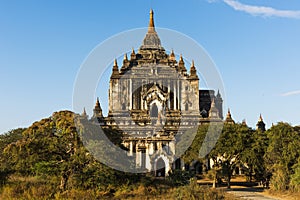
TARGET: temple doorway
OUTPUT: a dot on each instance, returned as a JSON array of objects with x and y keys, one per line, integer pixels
[
  {"x": 198, "y": 168},
  {"x": 160, "y": 168},
  {"x": 154, "y": 111},
  {"x": 178, "y": 164}
]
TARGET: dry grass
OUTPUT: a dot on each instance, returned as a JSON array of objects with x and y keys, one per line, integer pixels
[
  {"x": 33, "y": 188},
  {"x": 287, "y": 195}
]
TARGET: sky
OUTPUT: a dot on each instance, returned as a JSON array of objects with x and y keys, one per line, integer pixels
[{"x": 255, "y": 46}]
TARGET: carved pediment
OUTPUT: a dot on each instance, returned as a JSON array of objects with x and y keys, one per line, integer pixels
[
  {"x": 162, "y": 153},
  {"x": 155, "y": 93}
]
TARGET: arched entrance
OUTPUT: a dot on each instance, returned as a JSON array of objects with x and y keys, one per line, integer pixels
[
  {"x": 160, "y": 168},
  {"x": 178, "y": 164},
  {"x": 154, "y": 111},
  {"x": 198, "y": 168}
]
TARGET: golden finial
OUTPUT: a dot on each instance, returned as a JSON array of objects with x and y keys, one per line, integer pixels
[
  {"x": 151, "y": 27},
  {"x": 115, "y": 62}
]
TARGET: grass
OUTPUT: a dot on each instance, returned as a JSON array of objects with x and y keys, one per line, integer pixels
[
  {"x": 36, "y": 188},
  {"x": 287, "y": 195}
]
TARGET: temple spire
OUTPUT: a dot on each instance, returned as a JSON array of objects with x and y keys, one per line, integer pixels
[
  {"x": 151, "y": 27},
  {"x": 260, "y": 118},
  {"x": 181, "y": 66},
  {"x": 213, "y": 112},
  {"x": 97, "y": 109},
  {"x": 172, "y": 56},
  {"x": 115, "y": 63},
  {"x": 125, "y": 63},
  {"x": 229, "y": 113},
  {"x": 84, "y": 113},
  {"x": 115, "y": 70},
  {"x": 260, "y": 124},
  {"x": 218, "y": 94},
  {"x": 181, "y": 62},
  {"x": 213, "y": 104},
  {"x": 229, "y": 119},
  {"x": 97, "y": 103},
  {"x": 151, "y": 40},
  {"x": 125, "y": 57},
  {"x": 181, "y": 59},
  {"x": 193, "y": 71}
]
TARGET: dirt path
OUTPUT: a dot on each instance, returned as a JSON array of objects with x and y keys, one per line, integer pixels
[{"x": 250, "y": 193}]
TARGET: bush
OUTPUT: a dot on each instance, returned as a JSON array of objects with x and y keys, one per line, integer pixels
[
  {"x": 194, "y": 191},
  {"x": 27, "y": 191},
  {"x": 295, "y": 178},
  {"x": 76, "y": 194},
  {"x": 3, "y": 177},
  {"x": 279, "y": 180},
  {"x": 179, "y": 178}
]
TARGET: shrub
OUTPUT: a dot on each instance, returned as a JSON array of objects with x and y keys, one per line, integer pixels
[
  {"x": 179, "y": 178},
  {"x": 279, "y": 180},
  {"x": 295, "y": 178},
  {"x": 194, "y": 191}
]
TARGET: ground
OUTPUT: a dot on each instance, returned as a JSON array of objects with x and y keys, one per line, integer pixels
[
  {"x": 243, "y": 190},
  {"x": 251, "y": 193}
]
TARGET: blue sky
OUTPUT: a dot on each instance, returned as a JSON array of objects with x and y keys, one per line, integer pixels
[{"x": 255, "y": 45}]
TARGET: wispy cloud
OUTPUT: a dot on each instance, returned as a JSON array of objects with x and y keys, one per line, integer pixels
[
  {"x": 211, "y": 1},
  {"x": 261, "y": 10},
  {"x": 296, "y": 92}
]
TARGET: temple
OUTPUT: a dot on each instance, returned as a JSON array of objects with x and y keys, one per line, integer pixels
[{"x": 152, "y": 98}]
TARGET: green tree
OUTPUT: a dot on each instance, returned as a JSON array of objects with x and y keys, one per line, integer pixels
[
  {"x": 192, "y": 153},
  {"x": 282, "y": 154},
  {"x": 253, "y": 155},
  {"x": 52, "y": 149},
  {"x": 6, "y": 139},
  {"x": 230, "y": 147}
]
